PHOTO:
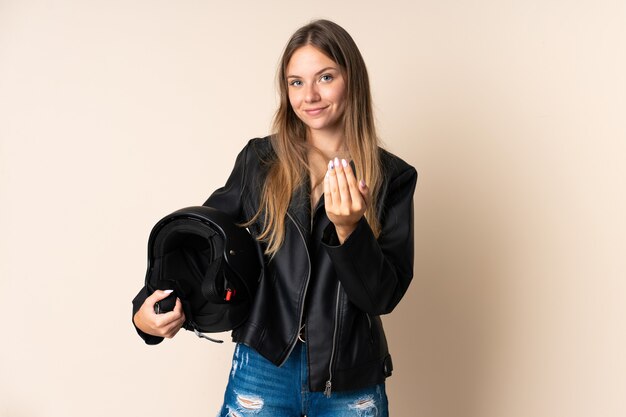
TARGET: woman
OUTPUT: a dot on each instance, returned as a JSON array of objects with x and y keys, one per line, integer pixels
[{"x": 333, "y": 212}]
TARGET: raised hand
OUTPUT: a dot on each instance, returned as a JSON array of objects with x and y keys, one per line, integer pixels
[{"x": 345, "y": 199}]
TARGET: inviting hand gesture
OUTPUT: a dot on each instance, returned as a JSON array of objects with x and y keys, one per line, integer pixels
[{"x": 344, "y": 198}]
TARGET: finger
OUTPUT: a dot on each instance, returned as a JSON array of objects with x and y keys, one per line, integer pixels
[
  {"x": 332, "y": 184},
  {"x": 176, "y": 325},
  {"x": 328, "y": 198},
  {"x": 171, "y": 329},
  {"x": 342, "y": 182},
  {"x": 166, "y": 319},
  {"x": 173, "y": 332},
  {"x": 180, "y": 318},
  {"x": 353, "y": 186},
  {"x": 365, "y": 192},
  {"x": 178, "y": 308},
  {"x": 158, "y": 295}
]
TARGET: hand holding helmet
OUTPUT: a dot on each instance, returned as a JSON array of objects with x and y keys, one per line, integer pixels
[
  {"x": 166, "y": 324},
  {"x": 203, "y": 271}
]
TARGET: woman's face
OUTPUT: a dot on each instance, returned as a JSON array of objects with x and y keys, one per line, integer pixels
[{"x": 316, "y": 89}]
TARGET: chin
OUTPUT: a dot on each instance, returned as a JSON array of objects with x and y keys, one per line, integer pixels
[
  {"x": 317, "y": 126},
  {"x": 320, "y": 124}
]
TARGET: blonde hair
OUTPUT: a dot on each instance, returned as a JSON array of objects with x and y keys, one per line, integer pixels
[{"x": 290, "y": 168}]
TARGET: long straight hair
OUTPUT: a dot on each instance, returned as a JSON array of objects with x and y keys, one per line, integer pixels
[{"x": 290, "y": 168}]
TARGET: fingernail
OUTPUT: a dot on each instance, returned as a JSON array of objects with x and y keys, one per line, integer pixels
[
  {"x": 168, "y": 291},
  {"x": 344, "y": 162},
  {"x": 362, "y": 184},
  {"x": 330, "y": 164},
  {"x": 336, "y": 161}
]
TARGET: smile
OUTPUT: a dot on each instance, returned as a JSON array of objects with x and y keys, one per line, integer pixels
[{"x": 315, "y": 112}]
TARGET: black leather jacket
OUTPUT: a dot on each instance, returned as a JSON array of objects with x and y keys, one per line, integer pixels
[{"x": 337, "y": 291}]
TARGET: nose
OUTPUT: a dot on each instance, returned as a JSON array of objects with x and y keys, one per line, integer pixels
[{"x": 312, "y": 94}]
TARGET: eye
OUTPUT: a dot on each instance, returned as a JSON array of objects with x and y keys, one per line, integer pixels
[
  {"x": 295, "y": 83},
  {"x": 326, "y": 78}
]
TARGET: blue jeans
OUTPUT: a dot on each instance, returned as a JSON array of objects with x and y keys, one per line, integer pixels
[{"x": 257, "y": 387}]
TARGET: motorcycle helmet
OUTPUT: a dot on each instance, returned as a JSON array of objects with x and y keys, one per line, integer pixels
[{"x": 209, "y": 262}]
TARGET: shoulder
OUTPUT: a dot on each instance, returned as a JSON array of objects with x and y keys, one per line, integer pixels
[
  {"x": 397, "y": 187},
  {"x": 260, "y": 149},
  {"x": 254, "y": 160},
  {"x": 255, "y": 156},
  {"x": 394, "y": 167}
]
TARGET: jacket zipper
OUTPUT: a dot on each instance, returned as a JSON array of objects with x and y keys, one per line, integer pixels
[
  {"x": 369, "y": 322},
  {"x": 329, "y": 383},
  {"x": 306, "y": 287}
]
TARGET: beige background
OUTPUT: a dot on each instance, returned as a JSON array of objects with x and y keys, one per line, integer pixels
[{"x": 115, "y": 113}]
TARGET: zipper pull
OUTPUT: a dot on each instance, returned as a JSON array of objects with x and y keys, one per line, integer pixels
[
  {"x": 328, "y": 389},
  {"x": 202, "y": 335}
]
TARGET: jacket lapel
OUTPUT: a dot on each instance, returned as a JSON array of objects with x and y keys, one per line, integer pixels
[{"x": 299, "y": 208}]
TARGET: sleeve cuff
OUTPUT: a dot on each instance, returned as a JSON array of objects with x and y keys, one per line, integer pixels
[{"x": 331, "y": 240}]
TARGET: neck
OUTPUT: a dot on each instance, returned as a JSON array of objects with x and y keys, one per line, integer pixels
[{"x": 328, "y": 142}]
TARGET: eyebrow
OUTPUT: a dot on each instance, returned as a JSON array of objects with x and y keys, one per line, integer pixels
[{"x": 317, "y": 73}]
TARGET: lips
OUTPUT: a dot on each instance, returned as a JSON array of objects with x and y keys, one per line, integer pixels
[{"x": 314, "y": 112}]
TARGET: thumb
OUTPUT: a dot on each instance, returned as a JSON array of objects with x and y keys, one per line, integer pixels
[{"x": 159, "y": 295}]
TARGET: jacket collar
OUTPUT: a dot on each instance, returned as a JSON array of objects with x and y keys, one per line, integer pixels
[{"x": 300, "y": 209}]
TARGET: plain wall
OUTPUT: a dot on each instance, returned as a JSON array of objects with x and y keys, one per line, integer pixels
[{"x": 114, "y": 113}]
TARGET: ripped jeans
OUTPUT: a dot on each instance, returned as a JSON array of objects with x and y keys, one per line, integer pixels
[{"x": 258, "y": 388}]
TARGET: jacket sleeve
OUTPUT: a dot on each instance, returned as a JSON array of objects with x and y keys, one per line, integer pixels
[
  {"x": 375, "y": 273},
  {"x": 227, "y": 199},
  {"x": 137, "y": 302}
]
